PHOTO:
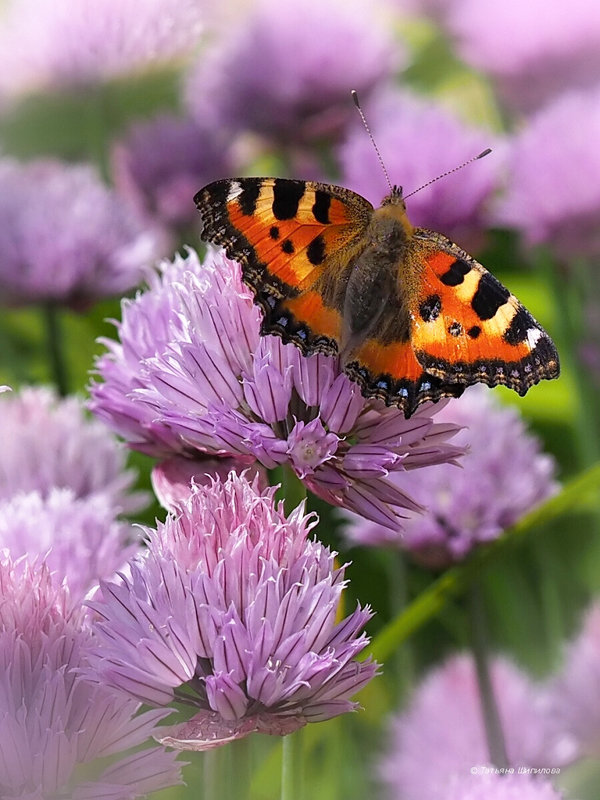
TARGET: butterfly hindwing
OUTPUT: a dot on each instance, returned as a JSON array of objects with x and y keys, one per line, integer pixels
[
  {"x": 292, "y": 239},
  {"x": 468, "y": 328}
]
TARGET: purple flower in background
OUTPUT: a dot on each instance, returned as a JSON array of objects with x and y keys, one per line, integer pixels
[
  {"x": 59, "y": 726},
  {"x": 250, "y": 79},
  {"x": 553, "y": 193},
  {"x": 192, "y": 376},
  {"x": 79, "y": 537},
  {"x": 420, "y": 140},
  {"x": 161, "y": 163},
  {"x": 491, "y": 785},
  {"x": 502, "y": 476},
  {"x": 576, "y": 688},
  {"x": 233, "y": 609},
  {"x": 441, "y": 735},
  {"x": 532, "y": 50},
  {"x": 54, "y": 44},
  {"x": 67, "y": 238},
  {"x": 48, "y": 443}
]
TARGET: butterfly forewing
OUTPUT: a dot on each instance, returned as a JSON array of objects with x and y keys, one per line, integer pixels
[{"x": 292, "y": 239}]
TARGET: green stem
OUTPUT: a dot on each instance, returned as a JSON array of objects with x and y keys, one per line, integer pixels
[
  {"x": 56, "y": 352},
  {"x": 397, "y": 569},
  {"x": 294, "y": 491},
  {"x": 291, "y": 767},
  {"x": 211, "y": 774},
  {"x": 489, "y": 707}
]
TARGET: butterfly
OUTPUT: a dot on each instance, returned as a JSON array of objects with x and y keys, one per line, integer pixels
[{"x": 411, "y": 315}]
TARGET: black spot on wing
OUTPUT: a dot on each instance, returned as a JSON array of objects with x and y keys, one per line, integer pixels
[
  {"x": 274, "y": 232},
  {"x": 315, "y": 252},
  {"x": 474, "y": 331},
  {"x": 249, "y": 195},
  {"x": 521, "y": 324},
  {"x": 286, "y": 197},
  {"x": 288, "y": 246},
  {"x": 455, "y": 273},
  {"x": 429, "y": 310},
  {"x": 320, "y": 207},
  {"x": 489, "y": 297}
]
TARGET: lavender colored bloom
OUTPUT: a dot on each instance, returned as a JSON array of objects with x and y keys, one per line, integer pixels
[
  {"x": 575, "y": 690},
  {"x": 233, "y": 87},
  {"x": 553, "y": 194},
  {"x": 420, "y": 140},
  {"x": 426, "y": 754},
  {"x": 48, "y": 443},
  {"x": 192, "y": 376},
  {"x": 233, "y": 608},
  {"x": 492, "y": 785},
  {"x": 58, "y": 724},
  {"x": 67, "y": 238},
  {"x": 161, "y": 163},
  {"x": 502, "y": 476},
  {"x": 79, "y": 537},
  {"x": 53, "y": 44},
  {"x": 534, "y": 50}
]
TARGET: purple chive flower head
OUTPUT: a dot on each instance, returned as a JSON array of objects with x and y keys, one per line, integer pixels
[
  {"x": 553, "y": 193},
  {"x": 67, "y": 238},
  {"x": 192, "y": 376},
  {"x": 56, "y": 44},
  {"x": 576, "y": 688},
  {"x": 49, "y": 443},
  {"x": 57, "y": 724},
  {"x": 78, "y": 537},
  {"x": 233, "y": 608},
  {"x": 232, "y": 86},
  {"x": 427, "y": 755},
  {"x": 161, "y": 163},
  {"x": 420, "y": 140},
  {"x": 533, "y": 51},
  {"x": 492, "y": 784},
  {"x": 501, "y": 478}
]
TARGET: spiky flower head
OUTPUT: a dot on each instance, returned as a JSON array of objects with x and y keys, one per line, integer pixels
[
  {"x": 192, "y": 376},
  {"x": 233, "y": 609}
]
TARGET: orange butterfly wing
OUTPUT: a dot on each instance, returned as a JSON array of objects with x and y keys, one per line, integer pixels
[
  {"x": 468, "y": 328},
  {"x": 293, "y": 240}
]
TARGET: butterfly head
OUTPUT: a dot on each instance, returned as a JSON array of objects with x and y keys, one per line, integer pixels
[{"x": 394, "y": 198}]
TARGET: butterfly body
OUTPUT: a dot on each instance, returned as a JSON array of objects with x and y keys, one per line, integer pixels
[{"x": 411, "y": 315}]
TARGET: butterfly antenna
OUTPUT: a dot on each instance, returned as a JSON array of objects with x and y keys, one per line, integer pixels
[
  {"x": 450, "y": 171},
  {"x": 373, "y": 142}
]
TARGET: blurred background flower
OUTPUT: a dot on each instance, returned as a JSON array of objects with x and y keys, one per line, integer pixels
[
  {"x": 58, "y": 726},
  {"x": 66, "y": 238},
  {"x": 56, "y": 44},
  {"x": 502, "y": 475}
]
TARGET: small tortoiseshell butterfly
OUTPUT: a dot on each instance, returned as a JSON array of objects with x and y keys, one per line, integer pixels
[{"x": 412, "y": 316}]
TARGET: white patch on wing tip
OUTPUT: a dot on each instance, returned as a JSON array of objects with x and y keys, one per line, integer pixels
[
  {"x": 533, "y": 336},
  {"x": 235, "y": 190}
]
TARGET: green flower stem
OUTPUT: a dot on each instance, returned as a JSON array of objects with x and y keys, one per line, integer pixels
[
  {"x": 397, "y": 576},
  {"x": 575, "y": 494},
  {"x": 480, "y": 649},
  {"x": 212, "y": 771},
  {"x": 291, "y": 767},
  {"x": 56, "y": 353},
  {"x": 294, "y": 491}
]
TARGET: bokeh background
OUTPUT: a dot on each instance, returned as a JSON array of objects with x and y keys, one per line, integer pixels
[{"x": 114, "y": 113}]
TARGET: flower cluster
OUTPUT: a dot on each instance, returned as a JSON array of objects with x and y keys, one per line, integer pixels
[
  {"x": 233, "y": 608},
  {"x": 54, "y": 719},
  {"x": 192, "y": 376}
]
